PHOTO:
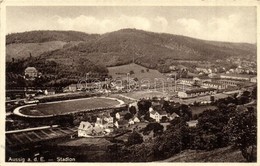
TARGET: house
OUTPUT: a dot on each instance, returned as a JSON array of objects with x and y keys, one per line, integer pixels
[
  {"x": 120, "y": 115},
  {"x": 70, "y": 88},
  {"x": 131, "y": 122},
  {"x": 173, "y": 68},
  {"x": 108, "y": 118},
  {"x": 49, "y": 92},
  {"x": 253, "y": 79},
  {"x": 158, "y": 115},
  {"x": 196, "y": 92},
  {"x": 30, "y": 72},
  {"x": 104, "y": 121},
  {"x": 213, "y": 75},
  {"x": 136, "y": 120},
  {"x": 173, "y": 116},
  {"x": 192, "y": 123},
  {"x": 204, "y": 70},
  {"x": 85, "y": 129}
]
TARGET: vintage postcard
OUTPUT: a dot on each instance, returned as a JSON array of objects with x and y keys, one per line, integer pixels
[{"x": 101, "y": 82}]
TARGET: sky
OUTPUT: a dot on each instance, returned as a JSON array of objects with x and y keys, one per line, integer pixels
[{"x": 231, "y": 24}]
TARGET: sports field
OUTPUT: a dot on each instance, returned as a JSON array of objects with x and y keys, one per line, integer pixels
[{"x": 68, "y": 106}]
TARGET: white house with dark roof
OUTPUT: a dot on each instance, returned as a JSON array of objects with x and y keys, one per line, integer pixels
[
  {"x": 158, "y": 115},
  {"x": 85, "y": 129}
]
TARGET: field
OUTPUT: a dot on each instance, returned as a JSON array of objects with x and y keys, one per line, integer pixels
[
  {"x": 140, "y": 72},
  {"x": 68, "y": 106}
]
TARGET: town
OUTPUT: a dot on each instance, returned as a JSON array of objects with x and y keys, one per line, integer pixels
[
  {"x": 132, "y": 82},
  {"x": 121, "y": 107}
]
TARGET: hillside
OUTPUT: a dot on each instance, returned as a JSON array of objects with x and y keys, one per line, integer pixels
[
  {"x": 76, "y": 51},
  {"x": 46, "y": 36},
  {"x": 24, "y": 50},
  {"x": 146, "y": 48},
  {"x": 226, "y": 154}
]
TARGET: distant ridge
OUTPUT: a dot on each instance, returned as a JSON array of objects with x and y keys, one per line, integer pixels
[{"x": 125, "y": 46}]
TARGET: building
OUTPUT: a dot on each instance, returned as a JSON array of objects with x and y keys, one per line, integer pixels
[
  {"x": 214, "y": 85},
  {"x": 85, "y": 129},
  {"x": 253, "y": 79},
  {"x": 49, "y": 92},
  {"x": 120, "y": 115},
  {"x": 30, "y": 72},
  {"x": 235, "y": 77},
  {"x": 227, "y": 82},
  {"x": 105, "y": 121},
  {"x": 121, "y": 123},
  {"x": 186, "y": 81},
  {"x": 173, "y": 116},
  {"x": 192, "y": 123},
  {"x": 197, "y": 92},
  {"x": 173, "y": 68},
  {"x": 158, "y": 115},
  {"x": 204, "y": 70}
]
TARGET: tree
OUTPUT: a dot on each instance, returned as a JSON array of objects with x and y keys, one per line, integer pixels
[
  {"x": 134, "y": 138},
  {"x": 155, "y": 127},
  {"x": 243, "y": 133},
  {"x": 135, "y": 79},
  {"x": 128, "y": 116},
  {"x": 132, "y": 110},
  {"x": 131, "y": 72},
  {"x": 143, "y": 106},
  {"x": 147, "y": 70},
  {"x": 185, "y": 112},
  {"x": 254, "y": 93}
]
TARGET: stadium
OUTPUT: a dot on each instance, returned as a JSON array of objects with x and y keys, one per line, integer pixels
[{"x": 56, "y": 108}]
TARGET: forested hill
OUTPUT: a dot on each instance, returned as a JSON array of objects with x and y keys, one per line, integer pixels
[
  {"x": 123, "y": 46},
  {"x": 75, "y": 53},
  {"x": 47, "y": 36},
  {"x": 149, "y": 49}
]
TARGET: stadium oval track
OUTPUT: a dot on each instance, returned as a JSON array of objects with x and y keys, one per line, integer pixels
[{"x": 17, "y": 111}]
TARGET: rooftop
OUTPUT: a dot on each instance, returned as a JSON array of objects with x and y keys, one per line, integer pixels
[
  {"x": 200, "y": 90},
  {"x": 238, "y": 75}
]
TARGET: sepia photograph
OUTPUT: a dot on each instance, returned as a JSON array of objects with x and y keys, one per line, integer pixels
[{"x": 167, "y": 84}]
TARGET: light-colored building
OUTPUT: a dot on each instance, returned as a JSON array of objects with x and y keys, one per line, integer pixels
[
  {"x": 49, "y": 92},
  {"x": 214, "y": 85},
  {"x": 197, "y": 92},
  {"x": 31, "y": 72},
  {"x": 173, "y": 116},
  {"x": 253, "y": 79},
  {"x": 85, "y": 129},
  {"x": 235, "y": 77},
  {"x": 192, "y": 123},
  {"x": 227, "y": 82},
  {"x": 186, "y": 81},
  {"x": 158, "y": 115}
]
